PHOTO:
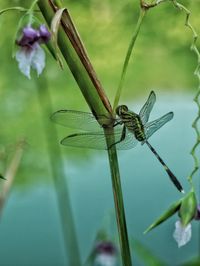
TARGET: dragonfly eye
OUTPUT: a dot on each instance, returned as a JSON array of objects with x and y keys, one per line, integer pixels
[{"x": 120, "y": 109}]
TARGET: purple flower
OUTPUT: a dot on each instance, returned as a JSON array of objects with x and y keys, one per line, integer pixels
[
  {"x": 105, "y": 254},
  {"x": 105, "y": 247},
  {"x": 30, "y": 54},
  {"x": 45, "y": 35},
  {"x": 197, "y": 216},
  {"x": 29, "y": 38}
]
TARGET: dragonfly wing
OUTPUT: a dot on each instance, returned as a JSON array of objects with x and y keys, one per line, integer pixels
[
  {"x": 96, "y": 140},
  {"x": 151, "y": 127},
  {"x": 147, "y": 107},
  {"x": 78, "y": 120},
  {"x": 128, "y": 143},
  {"x": 86, "y": 140}
]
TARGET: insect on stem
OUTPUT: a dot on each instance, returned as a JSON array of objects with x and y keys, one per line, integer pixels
[{"x": 129, "y": 129}]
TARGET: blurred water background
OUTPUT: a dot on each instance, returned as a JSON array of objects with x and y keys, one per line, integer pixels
[{"x": 30, "y": 230}]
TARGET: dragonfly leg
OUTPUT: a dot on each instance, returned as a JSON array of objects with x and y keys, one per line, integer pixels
[
  {"x": 117, "y": 123},
  {"x": 123, "y": 135}
]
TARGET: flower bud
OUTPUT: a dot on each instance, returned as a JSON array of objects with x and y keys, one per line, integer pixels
[
  {"x": 105, "y": 254},
  {"x": 188, "y": 208}
]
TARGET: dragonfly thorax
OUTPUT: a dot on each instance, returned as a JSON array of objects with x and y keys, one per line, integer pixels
[
  {"x": 131, "y": 121},
  {"x": 134, "y": 125}
]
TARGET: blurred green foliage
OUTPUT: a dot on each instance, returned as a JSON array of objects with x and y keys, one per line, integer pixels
[{"x": 162, "y": 60}]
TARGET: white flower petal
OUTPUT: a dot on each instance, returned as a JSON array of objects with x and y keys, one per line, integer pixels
[
  {"x": 182, "y": 234},
  {"x": 105, "y": 260},
  {"x": 38, "y": 60},
  {"x": 24, "y": 59}
]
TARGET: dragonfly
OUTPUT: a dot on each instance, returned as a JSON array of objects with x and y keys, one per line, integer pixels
[{"x": 129, "y": 127}]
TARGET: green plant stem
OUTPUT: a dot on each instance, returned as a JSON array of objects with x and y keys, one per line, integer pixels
[
  {"x": 16, "y": 8},
  {"x": 58, "y": 175},
  {"x": 75, "y": 55},
  {"x": 118, "y": 200},
  {"x": 128, "y": 55},
  {"x": 143, "y": 10},
  {"x": 30, "y": 12}
]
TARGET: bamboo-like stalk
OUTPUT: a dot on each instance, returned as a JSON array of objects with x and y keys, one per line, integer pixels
[
  {"x": 58, "y": 175},
  {"x": 75, "y": 55},
  {"x": 10, "y": 173},
  {"x": 118, "y": 199}
]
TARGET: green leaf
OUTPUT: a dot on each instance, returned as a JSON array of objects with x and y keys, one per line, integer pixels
[
  {"x": 188, "y": 208},
  {"x": 54, "y": 28},
  {"x": 172, "y": 209},
  {"x": 193, "y": 262},
  {"x": 146, "y": 255}
]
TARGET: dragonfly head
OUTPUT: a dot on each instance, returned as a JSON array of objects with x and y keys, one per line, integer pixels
[{"x": 121, "y": 109}]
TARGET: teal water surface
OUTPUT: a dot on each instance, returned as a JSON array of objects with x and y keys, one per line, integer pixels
[{"x": 30, "y": 231}]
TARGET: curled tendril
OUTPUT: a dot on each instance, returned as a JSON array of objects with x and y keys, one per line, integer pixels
[{"x": 196, "y": 98}]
